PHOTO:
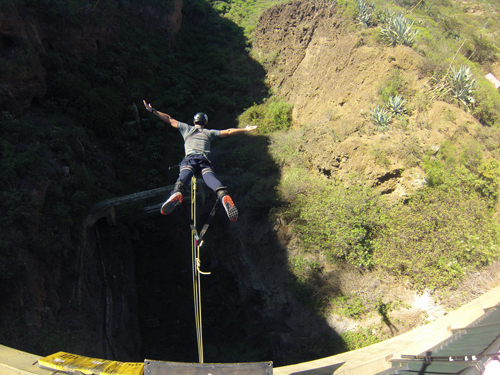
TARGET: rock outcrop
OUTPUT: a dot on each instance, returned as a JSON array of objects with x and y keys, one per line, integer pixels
[{"x": 26, "y": 36}]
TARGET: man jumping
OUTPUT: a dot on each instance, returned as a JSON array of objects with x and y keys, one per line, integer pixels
[{"x": 196, "y": 161}]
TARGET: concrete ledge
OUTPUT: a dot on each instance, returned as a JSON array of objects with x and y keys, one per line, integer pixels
[
  {"x": 365, "y": 361},
  {"x": 16, "y": 362}
]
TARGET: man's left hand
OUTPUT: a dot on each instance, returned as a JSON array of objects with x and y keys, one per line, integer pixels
[{"x": 148, "y": 106}]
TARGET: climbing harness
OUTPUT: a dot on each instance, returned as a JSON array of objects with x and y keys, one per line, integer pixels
[{"x": 196, "y": 242}]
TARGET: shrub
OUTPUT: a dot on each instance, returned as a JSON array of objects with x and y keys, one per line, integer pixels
[
  {"x": 295, "y": 181},
  {"x": 489, "y": 171},
  {"x": 452, "y": 27},
  {"x": 100, "y": 111},
  {"x": 487, "y": 107},
  {"x": 410, "y": 151},
  {"x": 351, "y": 306},
  {"x": 285, "y": 147},
  {"x": 398, "y": 30},
  {"x": 339, "y": 221},
  {"x": 435, "y": 238},
  {"x": 383, "y": 16},
  {"x": 409, "y": 3},
  {"x": 443, "y": 231},
  {"x": 482, "y": 50},
  {"x": 358, "y": 339},
  {"x": 270, "y": 116},
  {"x": 348, "y": 8}
]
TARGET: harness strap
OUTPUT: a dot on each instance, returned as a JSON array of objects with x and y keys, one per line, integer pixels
[
  {"x": 209, "y": 220},
  {"x": 199, "y": 237}
]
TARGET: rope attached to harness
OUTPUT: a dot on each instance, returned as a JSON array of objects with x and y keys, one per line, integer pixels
[{"x": 196, "y": 242}]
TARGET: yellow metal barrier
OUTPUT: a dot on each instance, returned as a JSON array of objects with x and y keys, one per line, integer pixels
[{"x": 68, "y": 362}]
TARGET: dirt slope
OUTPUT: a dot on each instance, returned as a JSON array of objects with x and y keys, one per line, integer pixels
[{"x": 332, "y": 76}]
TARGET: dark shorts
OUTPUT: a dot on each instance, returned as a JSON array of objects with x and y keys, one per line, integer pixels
[{"x": 197, "y": 164}]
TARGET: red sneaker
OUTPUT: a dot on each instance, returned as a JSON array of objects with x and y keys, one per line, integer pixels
[
  {"x": 231, "y": 210},
  {"x": 172, "y": 202}
]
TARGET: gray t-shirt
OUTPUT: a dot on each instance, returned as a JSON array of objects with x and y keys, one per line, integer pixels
[{"x": 197, "y": 140}]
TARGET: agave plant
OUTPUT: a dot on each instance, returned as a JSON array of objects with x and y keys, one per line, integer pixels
[
  {"x": 396, "y": 105},
  {"x": 398, "y": 30},
  {"x": 365, "y": 12},
  {"x": 384, "y": 16},
  {"x": 462, "y": 85},
  {"x": 380, "y": 117}
]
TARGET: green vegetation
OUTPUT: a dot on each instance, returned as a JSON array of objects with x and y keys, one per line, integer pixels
[
  {"x": 365, "y": 12},
  {"x": 462, "y": 85},
  {"x": 391, "y": 91},
  {"x": 454, "y": 36},
  {"x": 271, "y": 116},
  {"x": 359, "y": 338},
  {"x": 445, "y": 230},
  {"x": 481, "y": 49},
  {"x": 433, "y": 239},
  {"x": 396, "y": 104},
  {"x": 394, "y": 85},
  {"x": 380, "y": 117},
  {"x": 351, "y": 306},
  {"x": 398, "y": 30},
  {"x": 447, "y": 35},
  {"x": 244, "y": 13},
  {"x": 89, "y": 138},
  {"x": 336, "y": 221}
]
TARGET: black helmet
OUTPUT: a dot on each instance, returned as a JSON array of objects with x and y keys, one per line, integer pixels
[{"x": 201, "y": 118}]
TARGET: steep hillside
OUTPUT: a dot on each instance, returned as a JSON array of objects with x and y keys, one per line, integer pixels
[{"x": 334, "y": 75}]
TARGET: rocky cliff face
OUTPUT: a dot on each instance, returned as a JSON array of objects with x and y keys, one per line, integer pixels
[
  {"x": 27, "y": 35},
  {"x": 22, "y": 77},
  {"x": 82, "y": 292}
]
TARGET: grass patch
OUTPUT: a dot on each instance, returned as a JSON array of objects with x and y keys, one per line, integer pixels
[{"x": 271, "y": 116}]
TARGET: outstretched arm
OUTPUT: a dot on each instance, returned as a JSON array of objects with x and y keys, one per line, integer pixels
[
  {"x": 162, "y": 116},
  {"x": 233, "y": 131}
]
